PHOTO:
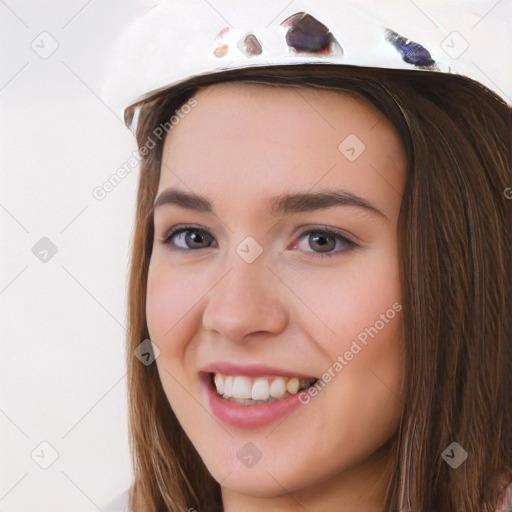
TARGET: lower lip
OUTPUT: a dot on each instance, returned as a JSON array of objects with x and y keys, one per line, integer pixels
[{"x": 249, "y": 416}]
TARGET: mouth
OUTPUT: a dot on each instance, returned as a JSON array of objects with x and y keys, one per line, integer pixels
[{"x": 251, "y": 391}]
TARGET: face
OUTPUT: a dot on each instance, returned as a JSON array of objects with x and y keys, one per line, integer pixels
[{"x": 255, "y": 299}]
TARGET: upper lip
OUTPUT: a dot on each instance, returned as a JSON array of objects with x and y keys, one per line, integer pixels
[{"x": 252, "y": 370}]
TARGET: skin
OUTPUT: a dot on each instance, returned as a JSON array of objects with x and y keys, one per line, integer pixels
[{"x": 290, "y": 308}]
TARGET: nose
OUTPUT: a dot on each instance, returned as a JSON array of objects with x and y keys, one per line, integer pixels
[{"x": 248, "y": 300}]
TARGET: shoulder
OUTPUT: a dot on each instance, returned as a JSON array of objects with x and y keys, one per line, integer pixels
[{"x": 119, "y": 503}]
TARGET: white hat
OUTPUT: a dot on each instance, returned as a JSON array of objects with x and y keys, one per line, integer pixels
[{"x": 174, "y": 40}]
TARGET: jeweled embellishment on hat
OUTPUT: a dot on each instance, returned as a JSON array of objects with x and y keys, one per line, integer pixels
[
  {"x": 250, "y": 45},
  {"x": 221, "y": 48},
  {"x": 307, "y": 34},
  {"x": 412, "y": 52}
]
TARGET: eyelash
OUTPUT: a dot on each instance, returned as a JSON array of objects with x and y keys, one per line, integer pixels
[{"x": 317, "y": 231}]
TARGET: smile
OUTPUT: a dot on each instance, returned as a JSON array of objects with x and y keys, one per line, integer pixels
[
  {"x": 250, "y": 391},
  {"x": 252, "y": 395}
]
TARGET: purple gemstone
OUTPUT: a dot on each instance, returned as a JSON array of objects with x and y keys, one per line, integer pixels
[
  {"x": 252, "y": 45},
  {"x": 307, "y": 34}
]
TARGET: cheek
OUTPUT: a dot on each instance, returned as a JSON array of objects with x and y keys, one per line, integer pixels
[
  {"x": 369, "y": 330},
  {"x": 170, "y": 297},
  {"x": 169, "y": 310},
  {"x": 348, "y": 299},
  {"x": 161, "y": 302},
  {"x": 372, "y": 304},
  {"x": 361, "y": 305}
]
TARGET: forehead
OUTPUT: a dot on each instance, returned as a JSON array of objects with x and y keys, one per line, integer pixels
[{"x": 250, "y": 141}]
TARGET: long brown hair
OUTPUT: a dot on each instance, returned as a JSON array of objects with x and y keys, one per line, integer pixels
[{"x": 454, "y": 231}]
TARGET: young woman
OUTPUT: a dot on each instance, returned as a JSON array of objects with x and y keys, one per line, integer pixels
[{"x": 321, "y": 262}]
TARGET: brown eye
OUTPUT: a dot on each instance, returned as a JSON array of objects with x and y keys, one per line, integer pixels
[
  {"x": 188, "y": 237},
  {"x": 322, "y": 242}
]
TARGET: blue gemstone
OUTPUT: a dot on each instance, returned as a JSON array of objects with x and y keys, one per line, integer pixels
[{"x": 412, "y": 53}]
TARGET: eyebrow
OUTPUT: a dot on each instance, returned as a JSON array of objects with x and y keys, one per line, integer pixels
[{"x": 279, "y": 205}]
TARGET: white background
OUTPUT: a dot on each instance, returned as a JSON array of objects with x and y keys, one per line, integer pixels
[
  {"x": 63, "y": 377},
  {"x": 62, "y": 362}
]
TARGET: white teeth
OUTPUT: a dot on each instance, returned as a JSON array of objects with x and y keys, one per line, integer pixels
[
  {"x": 241, "y": 387},
  {"x": 278, "y": 387},
  {"x": 260, "y": 389},
  {"x": 292, "y": 386},
  {"x": 219, "y": 383},
  {"x": 228, "y": 386}
]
